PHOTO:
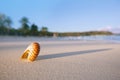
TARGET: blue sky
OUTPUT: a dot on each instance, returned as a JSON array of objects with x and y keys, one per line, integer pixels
[{"x": 65, "y": 15}]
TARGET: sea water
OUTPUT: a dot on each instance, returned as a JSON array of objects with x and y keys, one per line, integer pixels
[{"x": 111, "y": 38}]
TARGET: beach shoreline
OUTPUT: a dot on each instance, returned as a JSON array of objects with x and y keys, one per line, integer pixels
[{"x": 60, "y": 60}]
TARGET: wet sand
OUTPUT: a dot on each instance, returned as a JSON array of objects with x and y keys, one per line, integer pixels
[{"x": 60, "y": 60}]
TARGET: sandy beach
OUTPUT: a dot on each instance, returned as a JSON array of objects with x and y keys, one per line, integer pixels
[{"x": 60, "y": 60}]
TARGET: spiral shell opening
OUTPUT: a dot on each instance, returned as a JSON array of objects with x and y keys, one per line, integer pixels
[{"x": 31, "y": 53}]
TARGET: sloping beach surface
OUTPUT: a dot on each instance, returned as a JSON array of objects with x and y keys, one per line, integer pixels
[{"x": 60, "y": 59}]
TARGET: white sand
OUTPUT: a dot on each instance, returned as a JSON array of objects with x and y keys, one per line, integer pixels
[{"x": 60, "y": 60}]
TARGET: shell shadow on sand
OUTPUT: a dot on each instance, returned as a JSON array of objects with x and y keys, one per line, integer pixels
[{"x": 59, "y": 55}]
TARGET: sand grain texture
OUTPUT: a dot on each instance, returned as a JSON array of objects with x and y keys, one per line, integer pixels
[{"x": 61, "y": 60}]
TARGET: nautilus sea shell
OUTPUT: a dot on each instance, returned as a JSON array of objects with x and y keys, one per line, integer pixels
[{"x": 31, "y": 53}]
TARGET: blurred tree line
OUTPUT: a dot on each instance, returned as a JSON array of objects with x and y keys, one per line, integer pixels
[
  {"x": 89, "y": 33},
  {"x": 24, "y": 30},
  {"x": 32, "y": 30}
]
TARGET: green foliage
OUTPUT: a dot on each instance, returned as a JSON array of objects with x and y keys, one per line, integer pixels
[
  {"x": 8, "y": 22},
  {"x": 44, "y": 29},
  {"x": 3, "y": 30},
  {"x": 34, "y": 30},
  {"x": 85, "y": 33},
  {"x": 24, "y": 20},
  {"x": 13, "y": 31},
  {"x": 25, "y": 30},
  {"x": 2, "y": 20},
  {"x": 5, "y": 24}
]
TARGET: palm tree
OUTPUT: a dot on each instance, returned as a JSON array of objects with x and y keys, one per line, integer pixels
[
  {"x": 34, "y": 30},
  {"x": 2, "y": 19},
  {"x": 25, "y": 27},
  {"x": 24, "y": 20},
  {"x": 8, "y": 22},
  {"x": 44, "y": 29},
  {"x": 5, "y": 23}
]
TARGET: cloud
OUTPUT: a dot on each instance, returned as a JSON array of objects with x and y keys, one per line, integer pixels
[
  {"x": 111, "y": 29},
  {"x": 108, "y": 28},
  {"x": 116, "y": 30}
]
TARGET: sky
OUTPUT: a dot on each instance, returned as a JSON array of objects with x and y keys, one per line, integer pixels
[{"x": 65, "y": 15}]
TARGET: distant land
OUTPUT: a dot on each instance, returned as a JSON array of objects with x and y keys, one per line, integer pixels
[{"x": 89, "y": 33}]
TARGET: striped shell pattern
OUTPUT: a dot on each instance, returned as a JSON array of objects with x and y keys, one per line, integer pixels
[{"x": 31, "y": 53}]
